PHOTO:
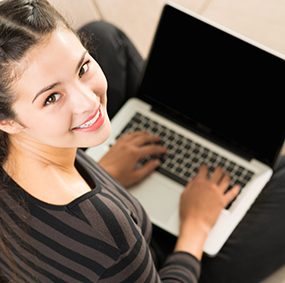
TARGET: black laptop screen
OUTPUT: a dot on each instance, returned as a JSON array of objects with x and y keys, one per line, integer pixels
[{"x": 218, "y": 82}]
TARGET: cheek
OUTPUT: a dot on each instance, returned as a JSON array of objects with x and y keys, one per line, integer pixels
[
  {"x": 99, "y": 82},
  {"x": 101, "y": 87},
  {"x": 47, "y": 125}
]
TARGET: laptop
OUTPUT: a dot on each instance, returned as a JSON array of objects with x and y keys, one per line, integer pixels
[{"x": 214, "y": 97}]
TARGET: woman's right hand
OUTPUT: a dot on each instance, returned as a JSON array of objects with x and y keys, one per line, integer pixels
[
  {"x": 122, "y": 158},
  {"x": 200, "y": 206}
]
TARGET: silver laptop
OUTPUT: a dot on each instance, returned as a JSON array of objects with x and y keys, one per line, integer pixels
[{"x": 214, "y": 97}]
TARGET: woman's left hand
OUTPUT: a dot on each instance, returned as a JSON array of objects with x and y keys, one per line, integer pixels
[{"x": 121, "y": 160}]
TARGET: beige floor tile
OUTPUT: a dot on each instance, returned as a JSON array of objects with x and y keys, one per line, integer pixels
[
  {"x": 261, "y": 20},
  {"x": 277, "y": 277},
  {"x": 77, "y": 12},
  {"x": 139, "y": 18}
]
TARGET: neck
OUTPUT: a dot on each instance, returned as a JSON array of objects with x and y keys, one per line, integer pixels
[
  {"x": 39, "y": 155},
  {"x": 45, "y": 172}
]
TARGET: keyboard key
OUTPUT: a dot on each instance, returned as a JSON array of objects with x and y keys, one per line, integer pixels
[
  {"x": 204, "y": 155},
  {"x": 213, "y": 159},
  {"x": 179, "y": 161},
  {"x": 196, "y": 150},
  {"x": 179, "y": 142},
  {"x": 178, "y": 151},
  {"x": 187, "y": 155},
  {"x": 187, "y": 146},
  {"x": 178, "y": 169}
]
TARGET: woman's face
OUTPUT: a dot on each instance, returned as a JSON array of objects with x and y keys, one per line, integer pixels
[{"x": 61, "y": 95}]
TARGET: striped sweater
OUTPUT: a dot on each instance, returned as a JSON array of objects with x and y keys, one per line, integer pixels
[{"x": 102, "y": 236}]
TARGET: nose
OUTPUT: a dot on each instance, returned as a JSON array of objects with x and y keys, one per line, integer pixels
[{"x": 83, "y": 100}]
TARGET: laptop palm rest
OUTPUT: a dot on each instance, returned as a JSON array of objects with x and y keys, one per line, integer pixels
[{"x": 160, "y": 198}]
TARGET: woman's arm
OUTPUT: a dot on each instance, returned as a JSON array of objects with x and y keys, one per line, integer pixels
[{"x": 201, "y": 204}]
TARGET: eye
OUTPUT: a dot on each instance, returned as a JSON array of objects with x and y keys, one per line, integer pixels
[
  {"x": 84, "y": 69},
  {"x": 52, "y": 99}
]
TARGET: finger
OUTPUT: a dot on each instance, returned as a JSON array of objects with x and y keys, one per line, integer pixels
[
  {"x": 203, "y": 171},
  {"x": 141, "y": 138},
  {"x": 231, "y": 195},
  {"x": 152, "y": 150},
  {"x": 131, "y": 136},
  {"x": 128, "y": 136},
  {"x": 217, "y": 175},
  {"x": 146, "y": 169},
  {"x": 188, "y": 185},
  {"x": 224, "y": 182}
]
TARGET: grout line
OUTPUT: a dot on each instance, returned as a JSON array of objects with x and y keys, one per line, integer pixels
[
  {"x": 204, "y": 6},
  {"x": 93, "y": 2}
]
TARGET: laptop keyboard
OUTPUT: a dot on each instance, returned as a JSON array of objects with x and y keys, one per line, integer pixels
[{"x": 185, "y": 156}]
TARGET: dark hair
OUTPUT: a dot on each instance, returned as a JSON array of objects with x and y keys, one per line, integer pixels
[{"x": 23, "y": 25}]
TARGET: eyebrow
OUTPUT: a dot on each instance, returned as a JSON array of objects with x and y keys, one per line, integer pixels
[{"x": 52, "y": 86}]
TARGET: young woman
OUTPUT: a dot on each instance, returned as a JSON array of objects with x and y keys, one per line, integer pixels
[{"x": 63, "y": 217}]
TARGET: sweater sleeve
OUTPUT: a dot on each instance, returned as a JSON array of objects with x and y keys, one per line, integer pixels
[
  {"x": 180, "y": 267},
  {"x": 136, "y": 265}
]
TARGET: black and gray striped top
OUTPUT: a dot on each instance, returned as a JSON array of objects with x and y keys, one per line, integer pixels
[{"x": 102, "y": 236}]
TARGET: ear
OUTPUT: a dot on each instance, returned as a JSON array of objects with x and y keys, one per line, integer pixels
[{"x": 10, "y": 127}]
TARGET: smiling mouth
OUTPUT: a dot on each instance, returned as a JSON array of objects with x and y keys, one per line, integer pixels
[{"x": 90, "y": 122}]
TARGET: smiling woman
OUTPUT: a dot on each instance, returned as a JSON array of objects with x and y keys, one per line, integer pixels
[{"x": 70, "y": 96}]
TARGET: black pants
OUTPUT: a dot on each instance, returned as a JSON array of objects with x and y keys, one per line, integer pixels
[{"x": 257, "y": 246}]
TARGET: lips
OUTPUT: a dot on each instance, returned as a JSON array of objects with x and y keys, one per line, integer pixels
[{"x": 92, "y": 123}]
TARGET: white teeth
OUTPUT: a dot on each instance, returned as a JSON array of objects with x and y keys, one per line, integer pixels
[{"x": 91, "y": 122}]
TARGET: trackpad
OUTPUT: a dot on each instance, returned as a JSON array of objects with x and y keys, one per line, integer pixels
[{"x": 159, "y": 196}]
